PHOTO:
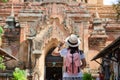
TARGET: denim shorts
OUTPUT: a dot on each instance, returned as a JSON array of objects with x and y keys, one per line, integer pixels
[{"x": 72, "y": 78}]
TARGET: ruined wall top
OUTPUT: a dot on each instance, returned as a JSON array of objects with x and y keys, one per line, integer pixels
[{"x": 83, "y": 1}]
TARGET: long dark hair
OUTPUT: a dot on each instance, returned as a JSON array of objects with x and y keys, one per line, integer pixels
[{"x": 73, "y": 49}]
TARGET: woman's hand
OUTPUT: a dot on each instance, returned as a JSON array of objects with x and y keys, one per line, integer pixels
[{"x": 60, "y": 45}]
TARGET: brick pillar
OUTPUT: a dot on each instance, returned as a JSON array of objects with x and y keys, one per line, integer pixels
[
  {"x": 85, "y": 39},
  {"x": 41, "y": 66},
  {"x": 23, "y": 31},
  {"x": 22, "y": 34}
]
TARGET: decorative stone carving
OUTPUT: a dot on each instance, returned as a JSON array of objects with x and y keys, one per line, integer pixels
[
  {"x": 76, "y": 28},
  {"x": 32, "y": 29},
  {"x": 37, "y": 44}
]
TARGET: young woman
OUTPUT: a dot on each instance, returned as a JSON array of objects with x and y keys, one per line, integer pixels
[{"x": 71, "y": 51}]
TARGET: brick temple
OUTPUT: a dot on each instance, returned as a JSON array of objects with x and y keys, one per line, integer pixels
[{"x": 34, "y": 28}]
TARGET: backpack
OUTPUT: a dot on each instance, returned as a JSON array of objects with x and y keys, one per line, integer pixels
[{"x": 72, "y": 63}]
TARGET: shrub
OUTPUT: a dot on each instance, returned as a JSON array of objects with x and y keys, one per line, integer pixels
[
  {"x": 2, "y": 65},
  {"x": 87, "y": 76},
  {"x": 19, "y": 74}
]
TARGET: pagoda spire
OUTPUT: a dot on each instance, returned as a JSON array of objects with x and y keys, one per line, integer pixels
[
  {"x": 96, "y": 13},
  {"x": 12, "y": 10}
]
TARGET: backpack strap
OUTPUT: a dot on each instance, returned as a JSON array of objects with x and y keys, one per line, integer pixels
[{"x": 72, "y": 64}]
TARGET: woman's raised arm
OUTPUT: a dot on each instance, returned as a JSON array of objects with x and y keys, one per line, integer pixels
[{"x": 56, "y": 51}]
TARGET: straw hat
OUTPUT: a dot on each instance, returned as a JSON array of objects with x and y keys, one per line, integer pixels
[{"x": 72, "y": 41}]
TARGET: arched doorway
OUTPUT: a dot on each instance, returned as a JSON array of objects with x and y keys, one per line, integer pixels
[{"x": 53, "y": 66}]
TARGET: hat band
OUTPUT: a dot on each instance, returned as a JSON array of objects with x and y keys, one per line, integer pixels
[{"x": 72, "y": 43}]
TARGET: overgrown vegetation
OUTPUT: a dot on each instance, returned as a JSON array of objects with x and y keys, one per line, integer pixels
[
  {"x": 4, "y": 0},
  {"x": 2, "y": 65},
  {"x": 19, "y": 74}
]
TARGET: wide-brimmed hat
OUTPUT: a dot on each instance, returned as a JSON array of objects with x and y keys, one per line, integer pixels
[{"x": 72, "y": 41}]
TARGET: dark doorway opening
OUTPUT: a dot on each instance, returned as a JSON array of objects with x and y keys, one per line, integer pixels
[
  {"x": 54, "y": 66},
  {"x": 53, "y": 73}
]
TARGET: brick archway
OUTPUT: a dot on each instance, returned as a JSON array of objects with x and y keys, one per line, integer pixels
[
  {"x": 53, "y": 42},
  {"x": 53, "y": 64}
]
